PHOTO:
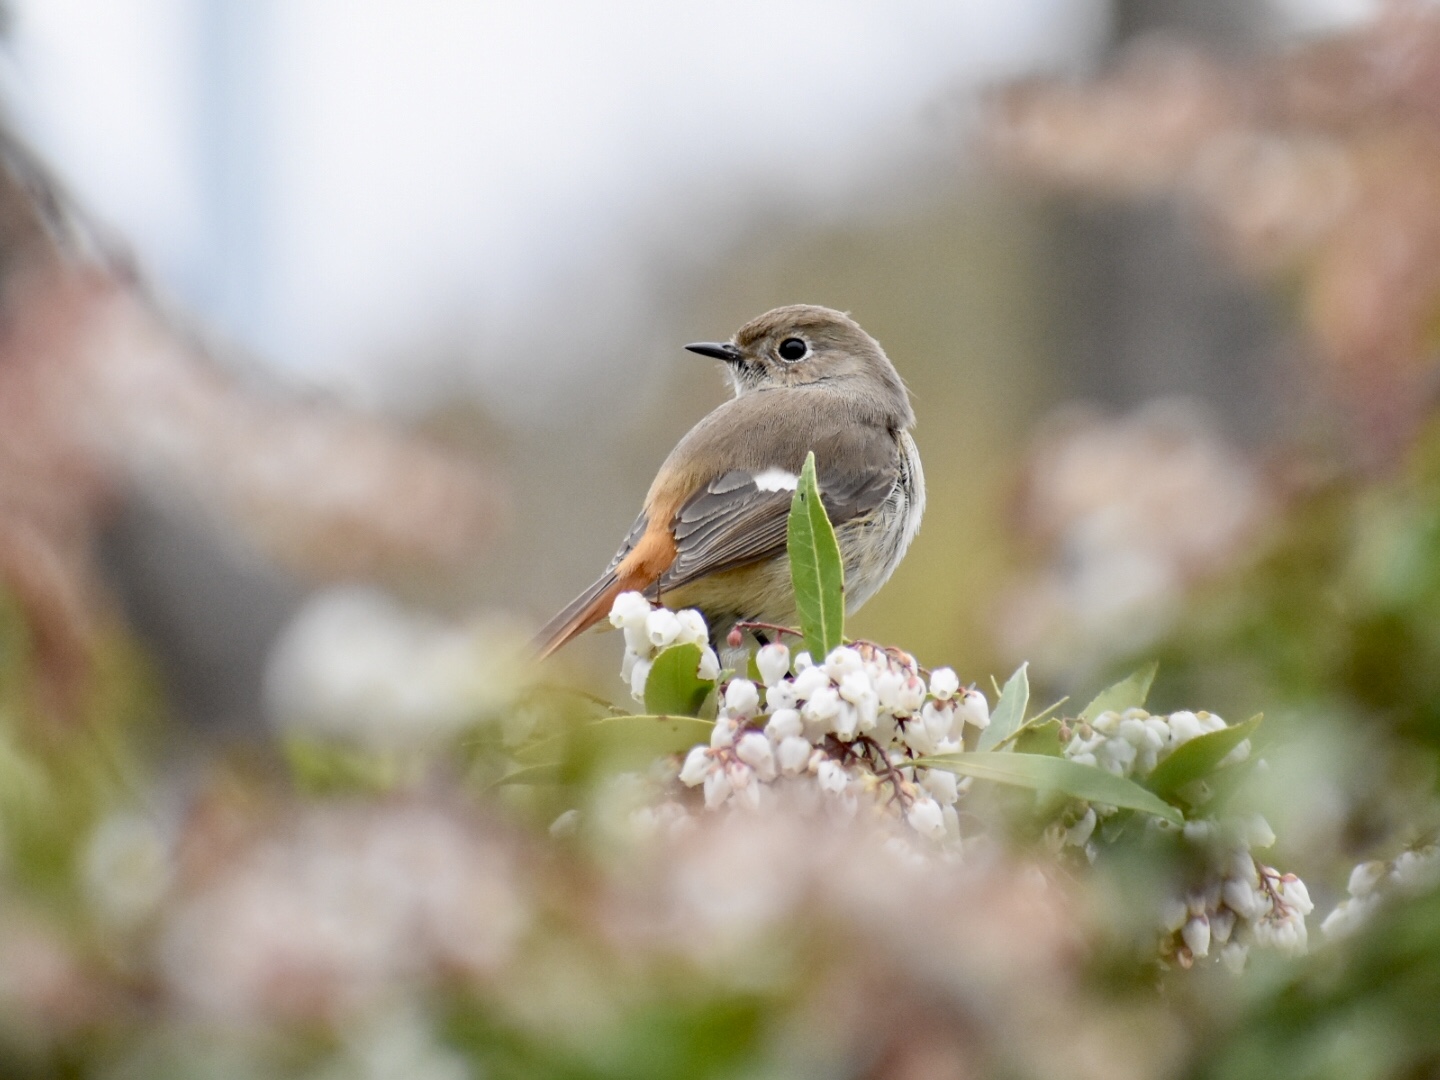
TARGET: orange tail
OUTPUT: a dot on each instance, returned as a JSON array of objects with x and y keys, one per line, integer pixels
[
  {"x": 580, "y": 614},
  {"x": 652, "y": 552}
]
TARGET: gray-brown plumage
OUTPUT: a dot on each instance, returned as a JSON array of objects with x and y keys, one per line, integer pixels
[{"x": 712, "y": 532}]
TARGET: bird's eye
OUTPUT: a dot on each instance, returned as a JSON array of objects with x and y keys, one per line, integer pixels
[{"x": 792, "y": 349}]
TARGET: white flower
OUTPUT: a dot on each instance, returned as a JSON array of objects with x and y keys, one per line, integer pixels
[
  {"x": 638, "y": 642},
  {"x": 1233, "y": 957},
  {"x": 793, "y": 755},
  {"x": 842, "y": 661},
  {"x": 944, "y": 683},
  {"x": 855, "y": 687},
  {"x": 723, "y": 734},
  {"x": 831, "y": 777},
  {"x": 709, "y": 669},
  {"x": 1236, "y": 756},
  {"x": 662, "y": 627},
  {"x": 942, "y": 785},
  {"x": 887, "y": 689},
  {"x": 1365, "y": 877},
  {"x": 783, "y": 724},
  {"x": 1173, "y": 913},
  {"x": 974, "y": 709},
  {"x": 1292, "y": 890},
  {"x": 1107, "y": 723},
  {"x": 693, "y": 630},
  {"x": 741, "y": 698},
  {"x": 717, "y": 788},
  {"x": 1222, "y": 922},
  {"x": 1196, "y": 935},
  {"x": 773, "y": 660},
  {"x": 803, "y": 661},
  {"x": 917, "y": 738},
  {"x": 846, "y": 722},
  {"x": 630, "y": 609},
  {"x": 926, "y": 818},
  {"x": 1135, "y": 733},
  {"x": 639, "y": 674},
  {"x": 697, "y": 765},
  {"x": 1209, "y": 722},
  {"x": 810, "y": 682},
  {"x": 1258, "y": 833},
  {"x": 754, "y": 750},
  {"x": 1242, "y": 898},
  {"x": 822, "y": 706},
  {"x": 1079, "y": 834},
  {"x": 938, "y": 720},
  {"x": 912, "y": 695},
  {"x": 1184, "y": 726}
]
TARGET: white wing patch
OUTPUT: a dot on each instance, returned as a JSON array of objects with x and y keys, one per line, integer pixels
[{"x": 776, "y": 480}]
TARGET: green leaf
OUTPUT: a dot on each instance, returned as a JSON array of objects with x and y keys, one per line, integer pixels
[
  {"x": 1009, "y": 711},
  {"x": 549, "y": 773},
  {"x": 1041, "y": 738},
  {"x": 648, "y": 735},
  {"x": 816, "y": 570},
  {"x": 674, "y": 686},
  {"x": 1128, "y": 693},
  {"x": 323, "y": 767},
  {"x": 1197, "y": 758},
  {"x": 1044, "y": 773}
]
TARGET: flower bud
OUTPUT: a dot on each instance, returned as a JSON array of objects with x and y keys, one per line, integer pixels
[
  {"x": 754, "y": 750},
  {"x": 1365, "y": 877},
  {"x": 783, "y": 724},
  {"x": 709, "y": 669},
  {"x": 887, "y": 689},
  {"x": 697, "y": 765},
  {"x": 974, "y": 709},
  {"x": 925, "y": 817},
  {"x": 831, "y": 777},
  {"x": 938, "y": 720},
  {"x": 1196, "y": 935},
  {"x": 773, "y": 660},
  {"x": 741, "y": 698},
  {"x": 639, "y": 674},
  {"x": 822, "y": 706},
  {"x": 662, "y": 627},
  {"x": 1184, "y": 726},
  {"x": 810, "y": 682},
  {"x": 793, "y": 755},
  {"x": 629, "y": 609},
  {"x": 944, "y": 683},
  {"x": 941, "y": 784},
  {"x": 717, "y": 788},
  {"x": 912, "y": 695},
  {"x": 841, "y": 662}
]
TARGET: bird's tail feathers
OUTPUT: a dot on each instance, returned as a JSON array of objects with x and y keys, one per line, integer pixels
[{"x": 580, "y": 614}]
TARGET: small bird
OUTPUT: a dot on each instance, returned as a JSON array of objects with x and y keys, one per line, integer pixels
[{"x": 712, "y": 532}]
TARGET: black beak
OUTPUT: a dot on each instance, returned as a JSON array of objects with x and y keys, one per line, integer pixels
[{"x": 719, "y": 350}]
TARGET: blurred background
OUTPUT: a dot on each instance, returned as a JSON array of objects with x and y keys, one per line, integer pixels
[
  {"x": 339, "y": 344},
  {"x": 497, "y": 224}
]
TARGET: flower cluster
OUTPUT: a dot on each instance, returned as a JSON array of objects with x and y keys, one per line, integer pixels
[
  {"x": 847, "y": 726},
  {"x": 649, "y": 631},
  {"x": 1371, "y": 882},
  {"x": 1245, "y": 902},
  {"x": 848, "y": 732}
]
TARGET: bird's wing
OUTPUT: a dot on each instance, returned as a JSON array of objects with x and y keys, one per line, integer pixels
[{"x": 740, "y": 518}]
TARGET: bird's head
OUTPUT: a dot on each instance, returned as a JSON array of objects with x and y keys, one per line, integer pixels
[{"x": 803, "y": 345}]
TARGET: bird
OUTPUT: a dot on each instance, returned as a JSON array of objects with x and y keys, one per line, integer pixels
[{"x": 712, "y": 532}]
